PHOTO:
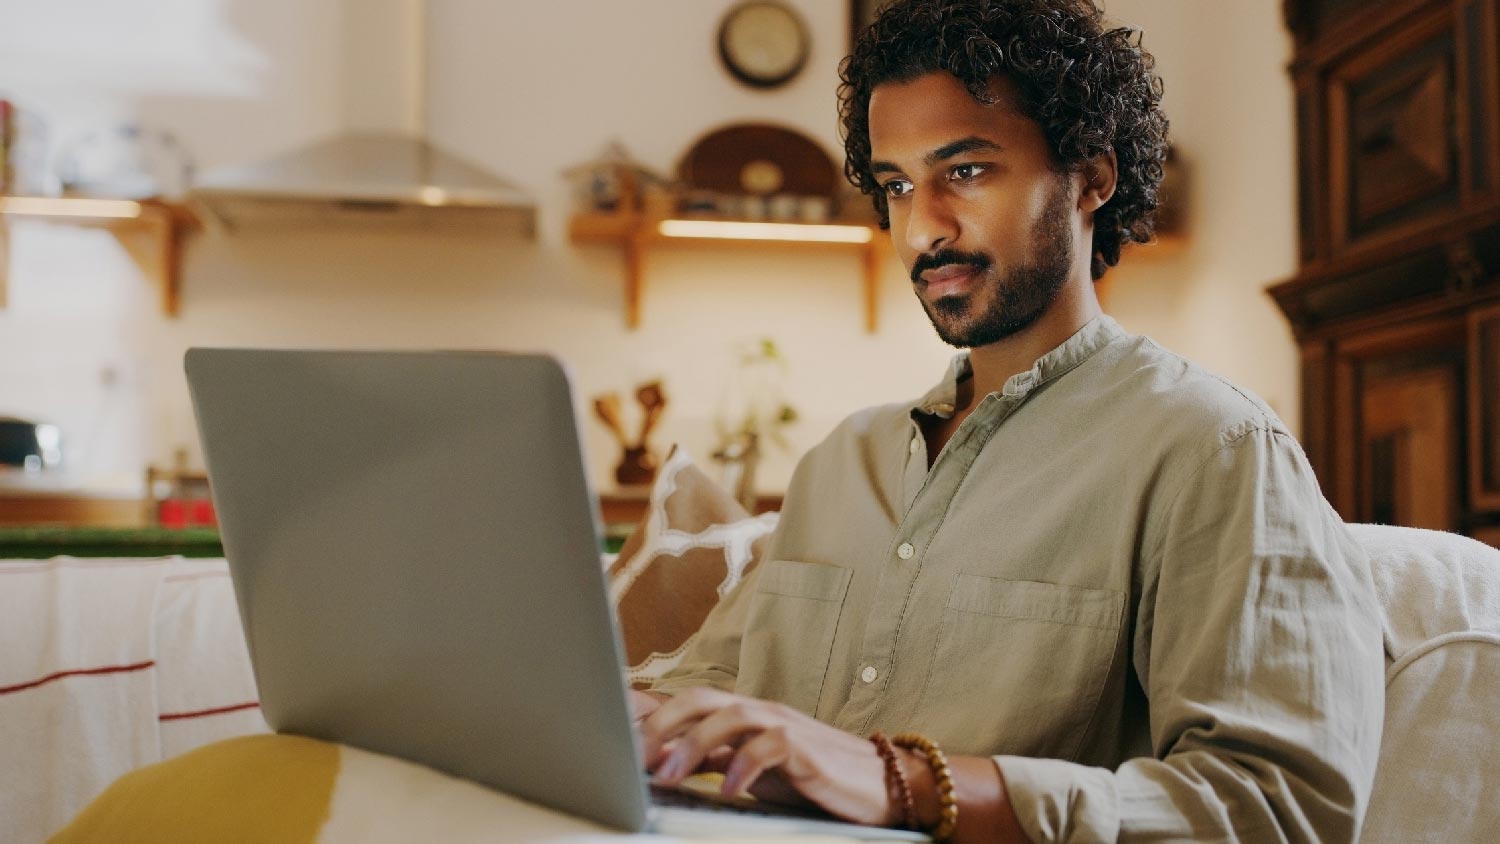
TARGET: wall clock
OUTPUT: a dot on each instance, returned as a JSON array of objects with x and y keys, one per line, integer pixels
[{"x": 763, "y": 43}]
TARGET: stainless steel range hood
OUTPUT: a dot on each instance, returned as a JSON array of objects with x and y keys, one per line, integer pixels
[
  {"x": 383, "y": 170},
  {"x": 362, "y": 178}
]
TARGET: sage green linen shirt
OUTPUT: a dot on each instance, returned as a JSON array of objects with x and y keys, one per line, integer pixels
[{"x": 1119, "y": 579}]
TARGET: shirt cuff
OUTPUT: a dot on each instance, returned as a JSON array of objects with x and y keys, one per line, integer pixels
[{"x": 1060, "y": 802}]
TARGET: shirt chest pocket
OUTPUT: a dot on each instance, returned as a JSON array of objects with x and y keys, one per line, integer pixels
[
  {"x": 789, "y": 635},
  {"x": 1018, "y": 666}
]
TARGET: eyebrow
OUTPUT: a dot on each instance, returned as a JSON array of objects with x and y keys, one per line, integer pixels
[{"x": 973, "y": 143}]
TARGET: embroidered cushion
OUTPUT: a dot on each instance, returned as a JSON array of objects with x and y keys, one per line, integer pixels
[{"x": 694, "y": 544}]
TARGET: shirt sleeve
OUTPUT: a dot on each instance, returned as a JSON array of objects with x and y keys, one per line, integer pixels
[{"x": 1257, "y": 641}]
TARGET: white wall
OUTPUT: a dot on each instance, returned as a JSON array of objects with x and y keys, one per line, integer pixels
[
  {"x": 529, "y": 94},
  {"x": 1231, "y": 106},
  {"x": 82, "y": 343}
]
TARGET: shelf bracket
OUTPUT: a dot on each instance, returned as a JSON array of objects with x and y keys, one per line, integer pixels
[
  {"x": 634, "y": 274},
  {"x": 151, "y": 233},
  {"x": 874, "y": 255},
  {"x": 155, "y": 244},
  {"x": 4, "y": 263}
]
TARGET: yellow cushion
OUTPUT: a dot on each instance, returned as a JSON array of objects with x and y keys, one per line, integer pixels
[{"x": 247, "y": 790}]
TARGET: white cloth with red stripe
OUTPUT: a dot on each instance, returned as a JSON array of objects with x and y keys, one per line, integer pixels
[{"x": 108, "y": 665}]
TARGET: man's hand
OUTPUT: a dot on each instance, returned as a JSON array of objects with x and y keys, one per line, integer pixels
[
  {"x": 769, "y": 749},
  {"x": 642, "y": 704}
]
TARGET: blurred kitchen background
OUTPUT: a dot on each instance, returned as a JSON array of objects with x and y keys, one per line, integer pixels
[{"x": 599, "y": 118}]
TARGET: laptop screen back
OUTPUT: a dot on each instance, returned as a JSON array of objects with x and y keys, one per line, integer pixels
[{"x": 414, "y": 548}]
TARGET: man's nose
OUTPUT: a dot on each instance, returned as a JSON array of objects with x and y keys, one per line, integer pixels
[{"x": 930, "y": 224}]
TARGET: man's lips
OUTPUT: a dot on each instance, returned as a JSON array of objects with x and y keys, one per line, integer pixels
[{"x": 948, "y": 279}]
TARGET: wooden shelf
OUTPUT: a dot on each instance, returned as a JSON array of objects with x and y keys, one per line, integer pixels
[
  {"x": 627, "y": 505},
  {"x": 150, "y": 230},
  {"x": 633, "y": 232},
  {"x": 19, "y": 509}
]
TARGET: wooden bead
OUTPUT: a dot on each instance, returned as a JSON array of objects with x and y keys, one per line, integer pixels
[
  {"x": 895, "y": 780},
  {"x": 947, "y": 797}
]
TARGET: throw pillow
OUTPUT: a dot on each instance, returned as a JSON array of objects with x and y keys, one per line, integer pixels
[{"x": 694, "y": 544}]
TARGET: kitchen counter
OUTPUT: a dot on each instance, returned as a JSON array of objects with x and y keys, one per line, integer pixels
[
  {"x": 45, "y": 516},
  {"x": 627, "y": 505},
  {"x": 39, "y": 543},
  {"x": 64, "y": 509},
  {"x": 63, "y": 499}
]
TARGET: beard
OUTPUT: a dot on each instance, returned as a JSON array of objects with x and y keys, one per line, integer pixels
[{"x": 1018, "y": 299}]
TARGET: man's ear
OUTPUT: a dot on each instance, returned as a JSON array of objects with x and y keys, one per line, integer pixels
[{"x": 1097, "y": 182}]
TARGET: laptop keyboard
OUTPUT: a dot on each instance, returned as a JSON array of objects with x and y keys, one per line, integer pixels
[
  {"x": 702, "y": 799},
  {"x": 699, "y": 797}
]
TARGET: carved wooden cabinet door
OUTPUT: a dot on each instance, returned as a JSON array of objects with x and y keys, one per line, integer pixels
[
  {"x": 1393, "y": 112},
  {"x": 1484, "y": 409},
  {"x": 1398, "y": 439},
  {"x": 1397, "y": 119}
]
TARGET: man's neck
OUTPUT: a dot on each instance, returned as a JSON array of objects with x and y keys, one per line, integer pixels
[{"x": 994, "y": 364}]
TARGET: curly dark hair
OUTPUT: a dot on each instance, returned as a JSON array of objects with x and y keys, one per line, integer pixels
[{"x": 1090, "y": 89}]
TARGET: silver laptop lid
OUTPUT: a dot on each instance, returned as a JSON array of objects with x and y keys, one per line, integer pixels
[{"x": 414, "y": 547}]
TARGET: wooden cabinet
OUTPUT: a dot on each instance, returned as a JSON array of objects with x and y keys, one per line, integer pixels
[{"x": 1396, "y": 305}]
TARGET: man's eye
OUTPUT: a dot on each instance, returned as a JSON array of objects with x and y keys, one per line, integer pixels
[
  {"x": 897, "y": 187},
  {"x": 964, "y": 172}
]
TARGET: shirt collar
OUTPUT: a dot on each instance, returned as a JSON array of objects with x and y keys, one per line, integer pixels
[{"x": 1093, "y": 336}]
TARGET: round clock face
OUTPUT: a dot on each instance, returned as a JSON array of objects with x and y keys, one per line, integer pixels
[{"x": 763, "y": 43}]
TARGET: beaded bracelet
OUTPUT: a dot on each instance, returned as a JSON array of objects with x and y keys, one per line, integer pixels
[
  {"x": 947, "y": 799},
  {"x": 895, "y": 780}
]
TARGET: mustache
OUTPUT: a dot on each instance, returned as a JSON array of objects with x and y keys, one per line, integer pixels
[{"x": 944, "y": 257}]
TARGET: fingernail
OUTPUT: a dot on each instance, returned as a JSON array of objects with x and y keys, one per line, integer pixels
[{"x": 669, "y": 768}]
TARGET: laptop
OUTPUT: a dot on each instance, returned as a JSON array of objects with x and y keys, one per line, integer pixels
[{"x": 415, "y": 550}]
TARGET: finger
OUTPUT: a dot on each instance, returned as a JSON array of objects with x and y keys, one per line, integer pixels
[
  {"x": 654, "y": 762},
  {"x": 773, "y": 786},
  {"x": 642, "y": 705},
  {"x": 676, "y": 715},
  {"x": 731, "y": 725},
  {"x": 767, "y": 749},
  {"x": 717, "y": 760}
]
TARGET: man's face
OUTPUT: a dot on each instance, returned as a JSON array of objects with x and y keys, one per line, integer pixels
[{"x": 978, "y": 213}]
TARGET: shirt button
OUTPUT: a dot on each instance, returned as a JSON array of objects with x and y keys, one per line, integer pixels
[
  {"x": 916, "y": 445},
  {"x": 905, "y": 551},
  {"x": 869, "y": 674}
]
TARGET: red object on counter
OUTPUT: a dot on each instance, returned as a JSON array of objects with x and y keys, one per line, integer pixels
[
  {"x": 202, "y": 513},
  {"x": 179, "y": 513},
  {"x": 171, "y": 513}
]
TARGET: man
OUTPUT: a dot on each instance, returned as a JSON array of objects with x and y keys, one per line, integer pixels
[{"x": 1103, "y": 580}]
